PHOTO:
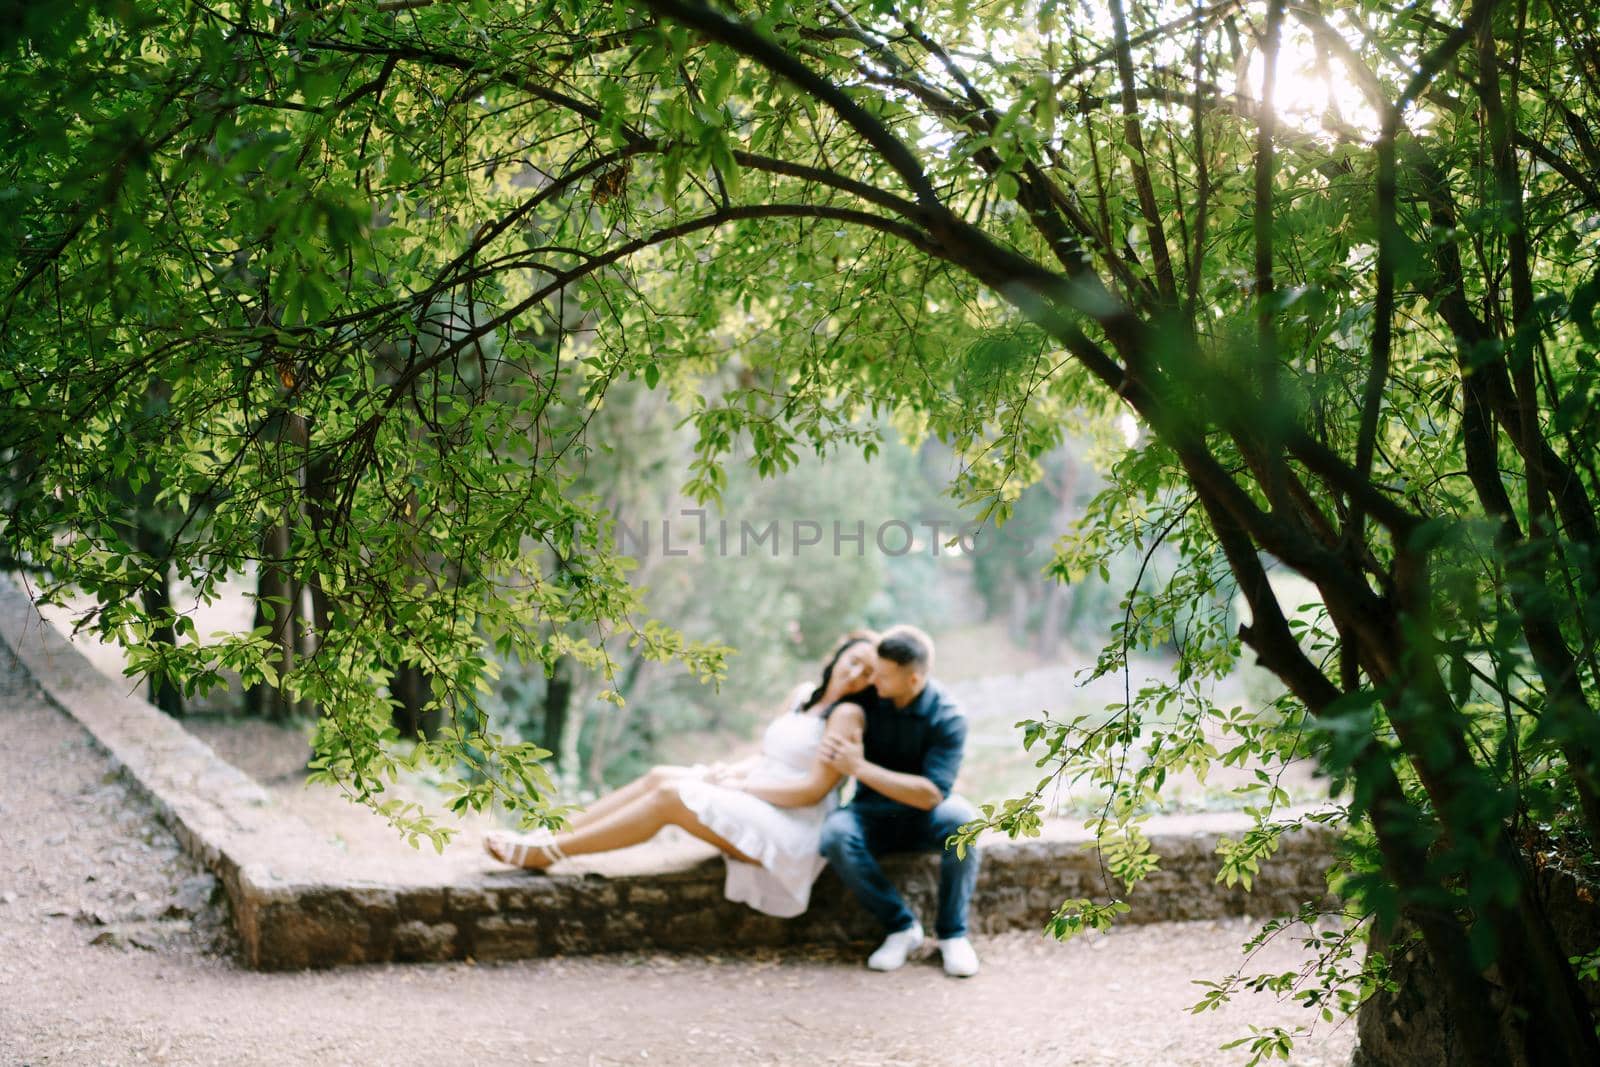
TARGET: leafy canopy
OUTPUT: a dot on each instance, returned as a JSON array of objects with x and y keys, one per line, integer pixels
[{"x": 368, "y": 269}]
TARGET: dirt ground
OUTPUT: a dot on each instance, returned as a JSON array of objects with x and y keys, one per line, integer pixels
[{"x": 114, "y": 950}]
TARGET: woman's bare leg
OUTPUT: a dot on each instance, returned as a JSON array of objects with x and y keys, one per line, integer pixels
[
  {"x": 620, "y": 798},
  {"x": 634, "y": 822}
]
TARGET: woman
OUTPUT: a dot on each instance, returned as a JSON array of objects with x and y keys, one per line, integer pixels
[{"x": 764, "y": 813}]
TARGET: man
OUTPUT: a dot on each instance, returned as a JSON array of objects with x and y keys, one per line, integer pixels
[{"x": 904, "y": 769}]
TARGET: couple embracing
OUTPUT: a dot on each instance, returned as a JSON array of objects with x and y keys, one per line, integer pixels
[{"x": 877, "y": 717}]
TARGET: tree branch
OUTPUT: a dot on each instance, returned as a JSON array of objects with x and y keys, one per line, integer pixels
[
  {"x": 1161, "y": 255},
  {"x": 747, "y": 42}
]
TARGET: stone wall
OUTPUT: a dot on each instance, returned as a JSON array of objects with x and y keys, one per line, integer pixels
[
  {"x": 516, "y": 914},
  {"x": 298, "y": 903}
]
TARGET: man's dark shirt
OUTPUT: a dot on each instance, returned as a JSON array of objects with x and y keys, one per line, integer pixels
[{"x": 925, "y": 737}]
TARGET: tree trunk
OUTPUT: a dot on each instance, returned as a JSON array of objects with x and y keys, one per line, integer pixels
[
  {"x": 273, "y": 585},
  {"x": 1412, "y": 1024},
  {"x": 557, "y": 708},
  {"x": 156, "y": 596},
  {"x": 412, "y": 689}
]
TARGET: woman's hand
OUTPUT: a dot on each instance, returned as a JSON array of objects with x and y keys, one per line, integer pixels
[{"x": 727, "y": 775}]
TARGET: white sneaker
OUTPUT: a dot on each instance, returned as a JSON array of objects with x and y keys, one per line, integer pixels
[
  {"x": 960, "y": 960},
  {"x": 896, "y": 948}
]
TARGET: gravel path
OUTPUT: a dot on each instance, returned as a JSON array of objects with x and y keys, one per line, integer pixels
[{"x": 113, "y": 950}]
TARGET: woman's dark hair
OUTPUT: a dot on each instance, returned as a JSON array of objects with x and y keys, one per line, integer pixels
[{"x": 856, "y": 637}]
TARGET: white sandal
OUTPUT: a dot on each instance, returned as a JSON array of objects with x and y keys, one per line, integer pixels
[{"x": 517, "y": 849}]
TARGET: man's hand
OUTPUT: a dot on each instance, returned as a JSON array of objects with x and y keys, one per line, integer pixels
[{"x": 842, "y": 755}]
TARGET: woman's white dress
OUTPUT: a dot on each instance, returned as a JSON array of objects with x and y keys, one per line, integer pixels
[{"x": 785, "y": 840}]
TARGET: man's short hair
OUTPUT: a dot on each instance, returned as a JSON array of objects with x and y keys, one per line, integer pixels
[{"x": 907, "y": 646}]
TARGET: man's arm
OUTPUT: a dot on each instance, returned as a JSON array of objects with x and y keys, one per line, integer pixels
[
  {"x": 912, "y": 790},
  {"x": 942, "y": 761}
]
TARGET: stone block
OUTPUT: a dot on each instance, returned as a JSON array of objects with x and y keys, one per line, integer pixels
[
  {"x": 641, "y": 894},
  {"x": 702, "y": 927},
  {"x": 424, "y": 942},
  {"x": 507, "y": 937},
  {"x": 425, "y": 904},
  {"x": 313, "y": 929},
  {"x": 622, "y": 927},
  {"x": 470, "y": 901}
]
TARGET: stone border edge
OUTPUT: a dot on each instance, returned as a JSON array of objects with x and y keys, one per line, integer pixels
[{"x": 212, "y": 807}]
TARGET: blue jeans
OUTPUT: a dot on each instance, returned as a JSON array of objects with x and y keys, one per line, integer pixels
[{"x": 854, "y": 836}]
